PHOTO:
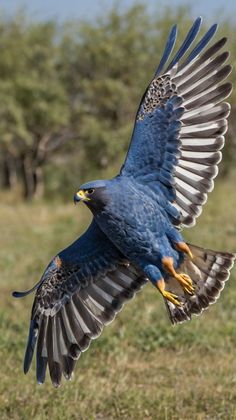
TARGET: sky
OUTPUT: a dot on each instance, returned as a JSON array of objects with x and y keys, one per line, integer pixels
[{"x": 88, "y": 9}]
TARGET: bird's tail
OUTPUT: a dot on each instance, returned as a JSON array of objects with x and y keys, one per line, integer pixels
[{"x": 209, "y": 270}]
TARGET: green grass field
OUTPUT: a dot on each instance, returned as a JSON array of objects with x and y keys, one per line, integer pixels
[{"x": 141, "y": 367}]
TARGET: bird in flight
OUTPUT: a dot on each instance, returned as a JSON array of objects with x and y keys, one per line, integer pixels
[{"x": 135, "y": 237}]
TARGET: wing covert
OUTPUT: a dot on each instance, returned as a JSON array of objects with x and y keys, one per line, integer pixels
[
  {"x": 81, "y": 291},
  {"x": 180, "y": 125}
]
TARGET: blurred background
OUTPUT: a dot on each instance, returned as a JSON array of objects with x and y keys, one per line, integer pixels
[{"x": 72, "y": 74}]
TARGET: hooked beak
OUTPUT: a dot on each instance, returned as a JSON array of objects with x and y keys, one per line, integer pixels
[{"x": 80, "y": 196}]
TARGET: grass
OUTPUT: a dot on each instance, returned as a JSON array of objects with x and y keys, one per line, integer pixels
[{"x": 141, "y": 367}]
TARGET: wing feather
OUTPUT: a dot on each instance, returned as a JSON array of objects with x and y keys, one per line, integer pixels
[
  {"x": 180, "y": 127},
  {"x": 168, "y": 49},
  {"x": 81, "y": 291},
  {"x": 187, "y": 42},
  {"x": 41, "y": 357}
]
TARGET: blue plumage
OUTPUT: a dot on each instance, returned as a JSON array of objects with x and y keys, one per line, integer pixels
[
  {"x": 138, "y": 225},
  {"x": 202, "y": 44},
  {"x": 187, "y": 43},
  {"x": 135, "y": 233},
  {"x": 97, "y": 184},
  {"x": 168, "y": 49}
]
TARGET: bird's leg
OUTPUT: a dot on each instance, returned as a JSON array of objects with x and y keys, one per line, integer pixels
[
  {"x": 160, "y": 284},
  {"x": 155, "y": 276},
  {"x": 182, "y": 278},
  {"x": 182, "y": 246}
]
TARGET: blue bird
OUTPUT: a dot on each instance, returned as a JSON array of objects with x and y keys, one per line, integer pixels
[{"x": 135, "y": 234}]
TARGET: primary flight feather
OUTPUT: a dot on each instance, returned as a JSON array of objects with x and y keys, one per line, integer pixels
[{"x": 135, "y": 233}]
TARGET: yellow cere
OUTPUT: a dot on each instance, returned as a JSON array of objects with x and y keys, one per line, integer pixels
[{"x": 81, "y": 194}]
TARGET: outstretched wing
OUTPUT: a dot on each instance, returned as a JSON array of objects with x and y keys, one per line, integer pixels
[
  {"x": 81, "y": 291},
  {"x": 180, "y": 126}
]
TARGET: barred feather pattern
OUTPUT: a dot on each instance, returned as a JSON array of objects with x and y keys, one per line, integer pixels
[
  {"x": 62, "y": 332},
  {"x": 209, "y": 271},
  {"x": 182, "y": 119},
  {"x": 198, "y": 82}
]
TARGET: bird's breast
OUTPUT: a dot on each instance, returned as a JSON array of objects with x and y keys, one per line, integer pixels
[{"x": 133, "y": 226}]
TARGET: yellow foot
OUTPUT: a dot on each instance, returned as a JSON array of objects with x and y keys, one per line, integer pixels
[
  {"x": 183, "y": 279},
  {"x": 172, "y": 298},
  {"x": 160, "y": 284},
  {"x": 182, "y": 246},
  {"x": 185, "y": 282}
]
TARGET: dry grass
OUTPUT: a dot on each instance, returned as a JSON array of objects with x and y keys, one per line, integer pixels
[{"x": 141, "y": 367}]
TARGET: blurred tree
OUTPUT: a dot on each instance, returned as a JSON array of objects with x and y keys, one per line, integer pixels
[
  {"x": 103, "y": 68},
  {"x": 34, "y": 111},
  {"x": 74, "y": 89},
  {"x": 106, "y": 65}
]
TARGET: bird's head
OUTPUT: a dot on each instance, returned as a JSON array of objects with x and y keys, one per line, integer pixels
[{"x": 93, "y": 194}]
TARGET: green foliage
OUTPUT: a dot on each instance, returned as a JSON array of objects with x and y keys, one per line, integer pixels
[
  {"x": 33, "y": 101},
  {"x": 69, "y": 92}
]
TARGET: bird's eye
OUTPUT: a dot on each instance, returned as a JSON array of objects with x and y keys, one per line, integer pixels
[{"x": 90, "y": 191}]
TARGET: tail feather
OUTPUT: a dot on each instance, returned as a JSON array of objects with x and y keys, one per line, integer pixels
[{"x": 209, "y": 270}]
